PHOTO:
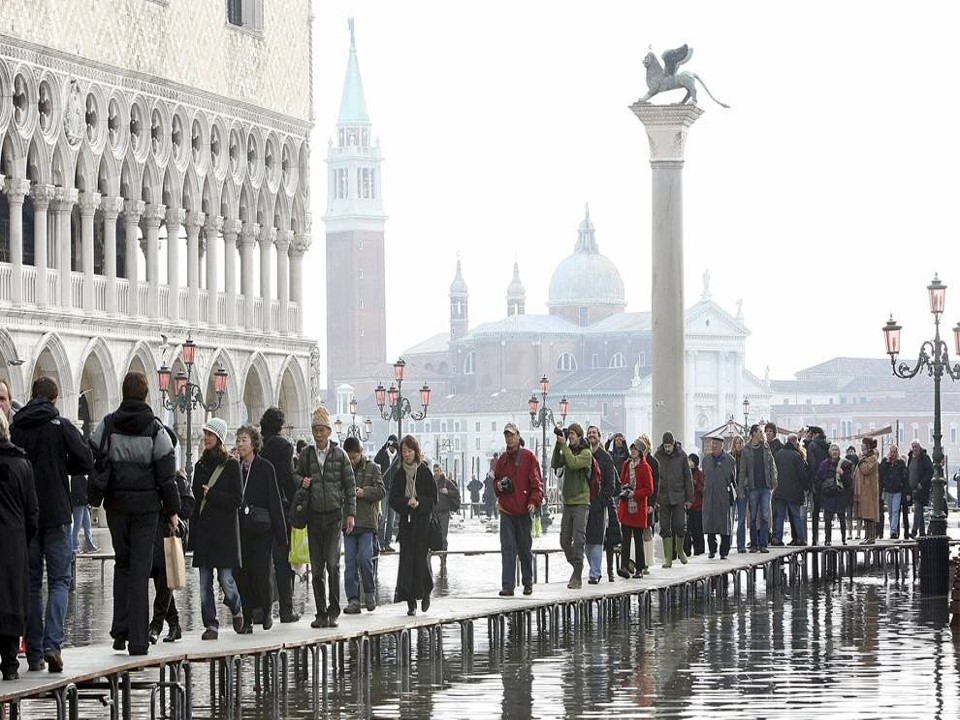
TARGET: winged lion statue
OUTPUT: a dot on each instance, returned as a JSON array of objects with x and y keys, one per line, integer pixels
[{"x": 665, "y": 77}]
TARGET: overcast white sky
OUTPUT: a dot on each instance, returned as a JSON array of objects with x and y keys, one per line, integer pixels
[{"x": 826, "y": 198}]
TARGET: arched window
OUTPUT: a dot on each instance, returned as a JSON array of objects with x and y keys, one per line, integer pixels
[
  {"x": 566, "y": 363},
  {"x": 616, "y": 361},
  {"x": 468, "y": 364}
]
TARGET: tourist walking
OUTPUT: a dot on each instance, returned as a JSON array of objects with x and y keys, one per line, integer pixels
[
  {"x": 652, "y": 502},
  {"x": 19, "y": 516},
  {"x": 81, "y": 516},
  {"x": 636, "y": 482},
  {"x": 920, "y": 481},
  {"x": 866, "y": 489},
  {"x": 736, "y": 451},
  {"x": 489, "y": 493},
  {"x": 326, "y": 470},
  {"x": 793, "y": 481},
  {"x": 387, "y": 460},
  {"x": 413, "y": 497},
  {"x": 215, "y": 527},
  {"x": 757, "y": 480},
  {"x": 817, "y": 451},
  {"x": 572, "y": 456},
  {"x": 358, "y": 545},
  {"x": 261, "y": 525},
  {"x": 448, "y": 500},
  {"x": 853, "y": 516},
  {"x": 693, "y": 538},
  {"x": 835, "y": 478},
  {"x": 56, "y": 451},
  {"x": 599, "y": 514},
  {"x": 164, "y": 603},
  {"x": 719, "y": 477},
  {"x": 895, "y": 485},
  {"x": 278, "y": 451},
  {"x": 676, "y": 497},
  {"x": 474, "y": 487},
  {"x": 519, "y": 489}
]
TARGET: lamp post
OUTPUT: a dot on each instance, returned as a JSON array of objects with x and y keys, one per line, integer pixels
[
  {"x": 934, "y": 359},
  {"x": 541, "y": 416},
  {"x": 354, "y": 430},
  {"x": 399, "y": 406},
  {"x": 746, "y": 417},
  {"x": 186, "y": 396}
]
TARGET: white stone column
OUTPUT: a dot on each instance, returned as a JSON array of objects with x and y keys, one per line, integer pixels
[
  {"x": 284, "y": 238},
  {"x": 211, "y": 230},
  {"x": 151, "y": 219},
  {"x": 89, "y": 202},
  {"x": 231, "y": 229},
  {"x": 248, "y": 236},
  {"x": 667, "y": 127},
  {"x": 172, "y": 220},
  {"x": 132, "y": 211},
  {"x": 300, "y": 244},
  {"x": 16, "y": 190},
  {"x": 267, "y": 238},
  {"x": 111, "y": 207},
  {"x": 193, "y": 223},
  {"x": 41, "y": 195},
  {"x": 63, "y": 202}
]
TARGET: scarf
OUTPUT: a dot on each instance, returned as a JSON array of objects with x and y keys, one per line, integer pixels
[
  {"x": 633, "y": 472},
  {"x": 411, "y": 472}
]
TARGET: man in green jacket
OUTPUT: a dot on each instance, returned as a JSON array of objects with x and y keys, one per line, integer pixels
[
  {"x": 326, "y": 470},
  {"x": 358, "y": 545},
  {"x": 574, "y": 458}
]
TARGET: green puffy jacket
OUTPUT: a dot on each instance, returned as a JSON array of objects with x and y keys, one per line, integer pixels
[
  {"x": 577, "y": 469},
  {"x": 333, "y": 486},
  {"x": 368, "y": 505}
]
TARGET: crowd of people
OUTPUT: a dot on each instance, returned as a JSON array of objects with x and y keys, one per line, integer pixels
[{"x": 244, "y": 503}]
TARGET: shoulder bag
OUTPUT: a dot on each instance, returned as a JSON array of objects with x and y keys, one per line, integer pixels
[
  {"x": 99, "y": 480},
  {"x": 255, "y": 519}
]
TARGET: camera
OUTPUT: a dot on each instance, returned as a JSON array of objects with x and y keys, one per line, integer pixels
[
  {"x": 560, "y": 432},
  {"x": 626, "y": 493},
  {"x": 506, "y": 485}
]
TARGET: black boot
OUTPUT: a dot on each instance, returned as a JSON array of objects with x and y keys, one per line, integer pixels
[{"x": 174, "y": 633}]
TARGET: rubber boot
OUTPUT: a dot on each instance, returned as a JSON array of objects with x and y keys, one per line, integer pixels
[
  {"x": 667, "y": 552},
  {"x": 681, "y": 555},
  {"x": 576, "y": 577}
]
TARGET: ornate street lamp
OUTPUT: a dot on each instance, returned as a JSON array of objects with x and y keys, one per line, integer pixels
[
  {"x": 354, "y": 430},
  {"x": 541, "y": 416},
  {"x": 746, "y": 417},
  {"x": 934, "y": 359},
  {"x": 186, "y": 396},
  {"x": 399, "y": 406}
]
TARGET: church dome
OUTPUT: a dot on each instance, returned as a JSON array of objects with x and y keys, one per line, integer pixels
[{"x": 586, "y": 278}]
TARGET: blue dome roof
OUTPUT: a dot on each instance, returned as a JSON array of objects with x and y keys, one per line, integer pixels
[{"x": 586, "y": 277}]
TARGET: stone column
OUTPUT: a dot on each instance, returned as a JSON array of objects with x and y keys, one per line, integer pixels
[
  {"x": 267, "y": 238},
  {"x": 283, "y": 276},
  {"x": 300, "y": 244},
  {"x": 231, "y": 229},
  {"x": 63, "y": 202},
  {"x": 89, "y": 202},
  {"x": 111, "y": 207},
  {"x": 193, "y": 223},
  {"x": 211, "y": 230},
  {"x": 248, "y": 236},
  {"x": 667, "y": 127},
  {"x": 173, "y": 220},
  {"x": 16, "y": 190},
  {"x": 152, "y": 218},
  {"x": 41, "y": 195},
  {"x": 132, "y": 211}
]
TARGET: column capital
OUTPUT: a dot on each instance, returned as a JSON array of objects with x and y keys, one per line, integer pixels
[
  {"x": 214, "y": 223},
  {"x": 111, "y": 206},
  {"x": 268, "y": 236},
  {"x": 16, "y": 189},
  {"x": 232, "y": 226},
  {"x": 193, "y": 221},
  {"x": 173, "y": 216},
  {"x": 133, "y": 210},
  {"x": 666, "y": 127},
  {"x": 153, "y": 214},
  {"x": 89, "y": 202},
  {"x": 284, "y": 238},
  {"x": 42, "y": 196},
  {"x": 64, "y": 198},
  {"x": 301, "y": 242},
  {"x": 248, "y": 233}
]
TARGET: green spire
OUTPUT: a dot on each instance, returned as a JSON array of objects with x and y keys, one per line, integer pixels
[{"x": 353, "y": 104}]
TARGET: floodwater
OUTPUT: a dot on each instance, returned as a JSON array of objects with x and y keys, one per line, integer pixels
[{"x": 867, "y": 649}]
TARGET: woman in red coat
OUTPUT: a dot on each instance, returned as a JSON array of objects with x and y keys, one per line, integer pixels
[{"x": 636, "y": 480}]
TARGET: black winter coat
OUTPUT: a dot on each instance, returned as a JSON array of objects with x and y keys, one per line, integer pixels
[
  {"x": 78, "y": 490},
  {"x": 215, "y": 525},
  {"x": 414, "y": 577},
  {"x": 187, "y": 506},
  {"x": 260, "y": 490},
  {"x": 893, "y": 476},
  {"x": 56, "y": 451},
  {"x": 278, "y": 451},
  {"x": 818, "y": 450},
  {"x": 19, "y": 515},
  {"x": 793, "y": 475},
  {"x": 599, "y": 513}
]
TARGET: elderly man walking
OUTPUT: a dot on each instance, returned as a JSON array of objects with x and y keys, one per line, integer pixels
[{"x": 719, "y": 475}]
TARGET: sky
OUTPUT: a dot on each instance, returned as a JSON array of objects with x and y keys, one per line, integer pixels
[{"x": 824, "y": 198}]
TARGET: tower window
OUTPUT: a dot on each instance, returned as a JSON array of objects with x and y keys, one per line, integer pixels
[{"x": 246, "y": 14}]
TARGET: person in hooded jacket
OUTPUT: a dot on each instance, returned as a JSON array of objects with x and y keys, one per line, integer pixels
[
  {"x": 142, "y": 484},
  {"x": 793, "y": 479},
  {"x": 278, "y": 451},
  {"x": 19, "y": 515},
  {"x": 676, "y": 497},
  {"x": 56, "y": 450}
]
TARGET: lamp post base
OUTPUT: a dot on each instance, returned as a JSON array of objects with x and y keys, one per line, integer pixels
[{"x": 934, "y": 563}]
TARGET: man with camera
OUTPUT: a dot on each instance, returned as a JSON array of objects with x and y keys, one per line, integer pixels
[
  {"x": 572, "y": 455},
  {"x": 519, "y": 491}
]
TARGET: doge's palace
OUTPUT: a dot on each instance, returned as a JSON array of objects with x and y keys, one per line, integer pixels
[{"x": 154, "y": 165}]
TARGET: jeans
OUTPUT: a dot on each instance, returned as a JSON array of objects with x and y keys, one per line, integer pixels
[
  {"x": 386, "y": 522},
  {"x": 741, "y": 524},
  {"x": 358, "y": 557},
  {"x": 782, "y": 509},
  {"x": 573, "y": 533},
  {"x": 208, "y": 604},
  {"x": 132, "y": 537},
  {"x": 516, "y": 540},
  {"x": 323, "y": 535},
  {"x": 595, "y": 559},
  {"x": 893, "y": 507},
  {"x": 81, "y": 520},
  {"x": 54, "y": 547},
  {"x": 760, "y": 508}
]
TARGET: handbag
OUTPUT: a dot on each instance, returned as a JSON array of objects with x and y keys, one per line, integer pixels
[
  {"x": 255, "y": 519},
  {"x": 99, "y": 478},
  {"x": 174, "y": 563},
  {"x": 300, "y": 509},
  {"x": 299, "y": 547},
  {"x": 435, "y": 534}
]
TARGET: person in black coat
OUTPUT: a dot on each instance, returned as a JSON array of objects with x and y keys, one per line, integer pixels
[
  {"x": 413, "y": 497},
  {"x": 388, "y": 459},
  {"x": 793, "y": 481},
  {"x": 278, "y": 451},
  {"x": 19, "y": 515},
  {"x": 818, "y": 450},
  {"x": 215, "y": 527},
  {"x": 164, "y": 603},
  {"x": 599, "y": 514},
  {"x": 56, "y": 450},
  {"x": 261, "y": 497}
]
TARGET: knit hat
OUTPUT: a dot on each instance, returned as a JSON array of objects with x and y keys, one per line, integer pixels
[
  {"x": 668, "y": 438},
  {"x": 216, "y": 426},
  {"x": 639, "y": 444},
  {"x": 321, "y": 418}
]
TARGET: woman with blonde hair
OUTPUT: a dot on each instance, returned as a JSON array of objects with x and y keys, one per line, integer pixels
[{"x": 866, "y": 489}]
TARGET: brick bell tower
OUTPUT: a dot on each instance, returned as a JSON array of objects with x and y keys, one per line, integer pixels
[{"x": 355, "y": 220}]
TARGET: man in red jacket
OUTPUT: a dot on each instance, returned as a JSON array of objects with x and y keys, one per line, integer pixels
[{"x": 518, "y": 485}]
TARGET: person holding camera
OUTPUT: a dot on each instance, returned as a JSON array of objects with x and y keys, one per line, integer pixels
[
  {"x": 519, "y": 491},
  {"x": 572, "y": 455}
]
